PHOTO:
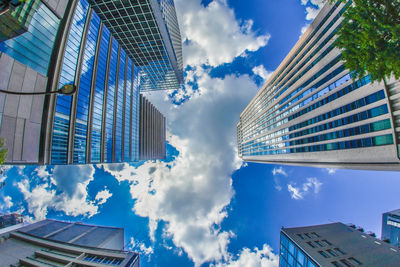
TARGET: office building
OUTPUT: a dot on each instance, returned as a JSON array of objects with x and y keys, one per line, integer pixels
[
  {"x": 58, "y": 243},
  {"x": 111, "y": 51},
  {"x": 152, "y": 132},
  {"x": 313, "y": 112},
  {"x": 7, "y": 220},
  {"x": 334, "y": 244},
  {"x": 391, "y": 227}
]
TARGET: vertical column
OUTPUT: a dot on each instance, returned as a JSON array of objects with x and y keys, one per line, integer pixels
[
  {"x": 114, "y": 128},
  {"x": 92, "y": 95},
  {"x": 105, "y": 99}
]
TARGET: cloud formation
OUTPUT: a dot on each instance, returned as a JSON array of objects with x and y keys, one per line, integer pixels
[
  {"x": 102, "y": 196},
  {"x": 64, "y": 189},
  {"x": 190, "y": 194},
  {"x": 212, "y": 35},
  {"x": 297, "y": 193},
  {"x": 312, "y": 9},
  {"x": 253, "y": 258},
  {"x": 262, "y": 72}
]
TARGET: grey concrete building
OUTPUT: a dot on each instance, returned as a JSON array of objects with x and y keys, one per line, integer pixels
[
  {"x": 109, "y": 50},
  {"x": 152, "y": 132},
  {"x": 334, "y": 244},
  {"x": 58, "y": 243},
  {"x": 391, "y": 227},
  {"x": 313, "y": 112}
]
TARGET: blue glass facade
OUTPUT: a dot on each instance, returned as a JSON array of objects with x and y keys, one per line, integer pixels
[
  {"x": 85, "y": 83},
  {"x": 312, "y": 103},
  {"x": 292, "y": 256},
  {"x": 107, "y": 97},
  {"x": 59, "y": 149},
  {"x": 97, "y": 116},
  {"x": 128, "y": 113},
  {"x": 135, "y": 116},
  {"x": 34, "y": 47},
  {"x": 108, "y": 157},
  {"x": 120, "y": 107}
]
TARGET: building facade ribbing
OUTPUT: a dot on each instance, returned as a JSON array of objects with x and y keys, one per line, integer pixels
[
  {"x": 336, "y": 245},
  {"x": 58, "y": 243},
  {"x": 110, "y": 50},
  {"x": 152, "y": 132},
  {"x": 313, "y": 112},
  {"x": 391, "y": 227}
]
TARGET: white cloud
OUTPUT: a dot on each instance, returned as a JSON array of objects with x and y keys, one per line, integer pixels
[
  {"x": 331, "y": 171},
  {"x": 304, "y": 28},
  {"x": 262, "y": 72},
  {"x": 140, "y": 247},
  {"x": 102, "y": 196},
  {"x": 191, "y": 193},
  {"x": 311, "y": 13},
  {"x": 253, "y": 258},
  {"x": 280, "y": 171},
  {"x": 298, "y": 193},
  {"x": 68, "y": 195},
  {"x": 212, "y": 34},
  {"x": 7, "y": 204},
  {"x": 313, "y": 9}
]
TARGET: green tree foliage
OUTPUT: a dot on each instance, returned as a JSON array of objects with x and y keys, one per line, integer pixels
[
  {"x": 370, "y": 38},
  {"x": 3, "y": 152}
]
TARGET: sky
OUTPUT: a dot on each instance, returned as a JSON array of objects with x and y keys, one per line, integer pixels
[{"x": 203, "y": 206}]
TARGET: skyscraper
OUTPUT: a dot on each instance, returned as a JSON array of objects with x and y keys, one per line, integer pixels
[
  {"x": 313, "y": 112},
  {"x": 152, "y": 132},
  {"x": 58, "y": 243},
  {"x": 391, "y": 227},
  {"x": 111, "y": 51},
  {"x": 334, "y": 244}
]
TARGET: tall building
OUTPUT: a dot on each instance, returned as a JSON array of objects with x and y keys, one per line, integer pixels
[
  {"x": 334, "y": 244},
  {"x": 58, "y": 243},
  {"x": 152, "y": 132},
  {"x": 7, "y": 220},
  {"x": 391, "y": 227},
  {"x": 313, "y": 112},
  {"x": 111, "y": 50}
]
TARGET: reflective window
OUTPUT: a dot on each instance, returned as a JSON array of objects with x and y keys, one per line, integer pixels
[
  {"x": 34, "y": 47},
  {"x": 82, "y": 109},
  {"x": 118, "y": 124},
  {"x": 128, "y": 113},
  {"x": 97, "y": 116},
  {"x": 67, "y": 76},
  {"x": 108, "y": 151}
]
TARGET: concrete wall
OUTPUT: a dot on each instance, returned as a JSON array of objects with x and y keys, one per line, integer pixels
[{"x": 21, "y": 116}]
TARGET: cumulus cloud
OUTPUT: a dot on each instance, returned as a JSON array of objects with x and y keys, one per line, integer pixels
[
  {"x": 297, "y": 193},
  {"x": 7, "y": 204},
  {"x": 331, "y": 171},
  {"x": 67, "y": 192},
  {"x": 313, "y": 8},
  {"x": 262, "y": 72},
  {"x": 102, "y": 196},
  {"x": 190, "y": 194},
  {"x": 253, "y": 258},
  {"x": 280, "y": 171},
  {"x": 140, "y": 247},
  {"x": 212, "y": 35}
]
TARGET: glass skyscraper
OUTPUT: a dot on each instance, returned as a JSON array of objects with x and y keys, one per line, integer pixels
[
  {"x": 336, "y": 245},
  {"x": 111, "y": 51},
  {"x": 312, "y": 111},
  {"x": 391, "y": 227}
]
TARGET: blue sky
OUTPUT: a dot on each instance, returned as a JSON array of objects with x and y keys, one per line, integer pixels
[{"x": 203, "y": 206}]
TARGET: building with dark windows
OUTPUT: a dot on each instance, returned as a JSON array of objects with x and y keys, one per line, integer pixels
[
  {"x": 152, "y": 132},
  {"x": 334, "y": 244},
  {"x": 313, "y": 112},
  {"x": 58, "y": 243},
  {"x": 111, "y": 51},
  {"x": 391, "y": 227},
  {"x": 7, "y": 220}
]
